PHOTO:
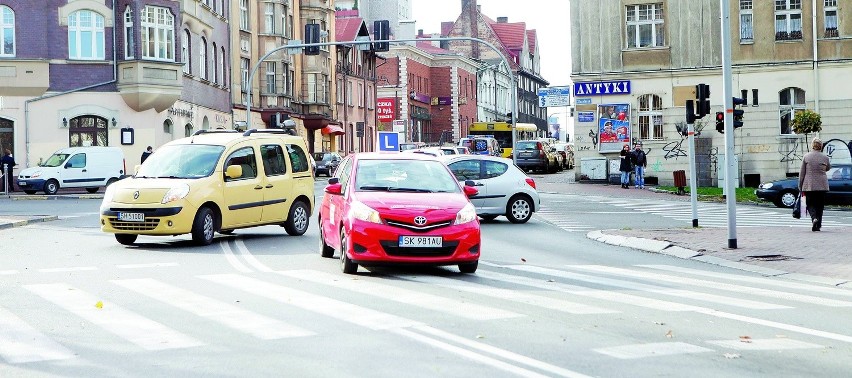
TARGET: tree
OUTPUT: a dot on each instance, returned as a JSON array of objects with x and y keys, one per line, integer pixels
[{"x": 806, "y": 122}]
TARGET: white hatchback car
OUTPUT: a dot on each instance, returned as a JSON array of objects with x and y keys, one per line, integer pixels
[{"x": 504, "y": 189}]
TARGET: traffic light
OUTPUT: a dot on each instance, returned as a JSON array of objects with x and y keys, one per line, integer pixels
[
  {"x": 738, "y": 113},
  {"x": 690, "y": 112},
  {"x": 509, "y": 118},
  {"x": 702, "y": 105},
  {"x": 312, "y": 35},
  {"x": 720, "y": 122},
  {"x": 381, "y": 32}
]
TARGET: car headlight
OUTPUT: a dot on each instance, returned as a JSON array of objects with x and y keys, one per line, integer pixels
[
  {"x": 766, "y": 186},
  {"x": 363, "y": 212},
  {"x": 466, "y": 214},
  {"x": 109, "y": 193},
  {"x": 176, "y": 193},
  {"x": 35, "y": 174}
]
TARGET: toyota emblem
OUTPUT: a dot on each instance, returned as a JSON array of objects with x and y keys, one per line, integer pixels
[
  {"x": 419, "y": 220},
  {"x": 136, "y": 195}
]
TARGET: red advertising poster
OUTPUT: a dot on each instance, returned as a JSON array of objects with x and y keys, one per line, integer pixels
[{"x": 386, "y": 109}]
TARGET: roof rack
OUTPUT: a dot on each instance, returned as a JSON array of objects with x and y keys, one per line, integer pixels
[
  {"x": 269, "y": 131},
  {"x": 214, "y": 131}
]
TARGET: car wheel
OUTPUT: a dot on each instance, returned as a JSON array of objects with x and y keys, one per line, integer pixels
[
  {"x": 51, "y": 186},
  {"x": 786, "y": 199},
  {"x": 469, "y": 268},
  {"x": 346, "y": 265},
  {"x": 125, "y": 239},
  {"x": 30, "y": 191},
  {"x": 297, "y": 220},
  {"x": 488, "y": 217},
  {"x": 203, "y": 226},
  {"x": 519, "y": 209},
  {"x": 92, "y": 190},
  {"x": 325, "y": 249}
]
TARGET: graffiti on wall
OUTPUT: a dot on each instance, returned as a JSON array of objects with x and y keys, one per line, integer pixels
[
  {"x": 838, "y": 151},
  {"x": 753, "y": 149},
  {"x": 594, "y": 136},
  {"x": 674, "y": 150}
]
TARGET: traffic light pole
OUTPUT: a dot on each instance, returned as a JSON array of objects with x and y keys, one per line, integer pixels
[{"x": 727, "y": 95}]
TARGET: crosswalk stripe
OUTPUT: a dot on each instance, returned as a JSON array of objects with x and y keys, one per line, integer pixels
[
  {"x": 8, "y": 272},
  {"x": 389, "y": 292},
  {"x": 253, "y": 261},
  {"x": 151, "y": 265},
  {"x": 764, "y": 344},
  {"x": 20, "y": 342},
  {"x": 713, "y": 285},
  {"x": 262, "y": 327},
  {"x": 333, "y": 308},
  {"x": 232, "y": 259},
  {"x": 139, "y": 330},
  {"x": 512, "y": 295},
  {"x": 635, "y": 351},
  {"x": 745, "y": 303}
]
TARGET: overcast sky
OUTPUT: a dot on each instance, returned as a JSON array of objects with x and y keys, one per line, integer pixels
[{"x": 548, "y": 17}]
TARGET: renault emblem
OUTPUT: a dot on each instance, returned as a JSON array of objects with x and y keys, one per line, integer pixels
[
  {"x": 136, "y": 195},
  {"x": 419, "y": 220}
]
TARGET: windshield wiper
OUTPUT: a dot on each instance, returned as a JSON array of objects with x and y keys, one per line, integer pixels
[
  {"x": 416, "y": 190},
  {"x": 376, "y": 188}
]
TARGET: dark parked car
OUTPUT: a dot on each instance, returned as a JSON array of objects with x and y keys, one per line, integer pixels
[
  {"x": 784, "y": 192},
  {"x": 327, "y": 162},
  {"x": 536, "y": 155}
]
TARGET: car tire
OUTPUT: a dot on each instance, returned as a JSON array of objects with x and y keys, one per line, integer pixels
[
  {"x": 204, "y": 226},
  {"x": 346, "y": 265},
  {"x": 51, "y": 186},
  {"x": 786, "y": 199},
  {"x": 469, "y": 268},
  {"x": 30, "y": 191},
  {"x": 126, "y": 239},
  {"x": 298, "y": 219},
  {"x": 325, "y": 249},
  {"x": 488, "y": 217},
  {"x": 92, "y": 190},
  {"x": 519, "y": 209}
]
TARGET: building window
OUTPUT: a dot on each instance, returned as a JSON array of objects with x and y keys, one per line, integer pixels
[
  {"x": 244, "y": 15},
  {"x": 184, "y": 51},
  {"x": 285, "y": 26},
  {"x": 360, "y": 95},
  {"x": 224, "y": 68},
  {"x": 187, "y": 130},
  {"x": 286, "y": 79},
  {"x": 202, "y": 59},
  {"x": 129, "y": 40},
  {"x": 167, "y": 127},
  {"x": 269, "y": 17},
  {"x": 271, "y": 88},
  {"x": 244, "y": 68},
  {"x": 746, "y": 21},
  {"x": 349, "y": 94},
  {"x": 158, "y": 33},
  {"x": 215, "y": 62},
  {"x": 86, "y": 131},
  {"x": 831, "y": 19},
  {"x": 85, "y": 35},
  {"x": 340, "y": 91},
  {"x": 792, "y": 102},
  {"x": 788, "y": 20},
  {"x": 650, "y": 117},
  {"x": 7, "y": 31},
  {"x": 645, "y": 26}
]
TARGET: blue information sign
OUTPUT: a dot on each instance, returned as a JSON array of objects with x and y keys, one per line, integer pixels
[{"x": 388, "y": 141}]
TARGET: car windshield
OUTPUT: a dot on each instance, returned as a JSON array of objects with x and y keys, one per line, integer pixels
[
  {"x": 181, "y": 161},
  {"x": 396, "y": 175},
  {"x": 55, "y": 160}
]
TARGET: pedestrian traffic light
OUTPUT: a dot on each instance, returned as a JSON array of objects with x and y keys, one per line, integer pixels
[
  {"x": 509, "y": 118},
  {"x": 738, "y": 113},
  {"x": 702, "y": 105},
  {"x": 381, "y": 32},
  {"x": 312, "y": 35},
  {"x": 690, "y": 112},
  {"x": 720, "y": 122}
]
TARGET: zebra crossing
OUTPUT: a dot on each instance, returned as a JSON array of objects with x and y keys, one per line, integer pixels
[{"x": 499, "y": 293}]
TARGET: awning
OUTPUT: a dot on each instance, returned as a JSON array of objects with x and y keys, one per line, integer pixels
[{"x": 333, "y": 130}]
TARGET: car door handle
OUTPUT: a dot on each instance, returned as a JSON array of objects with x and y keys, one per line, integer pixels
[
  {"x": 258, "y": 187},
  {"x": 269, "y": 186},
  {"x": 84, "y": 170}
]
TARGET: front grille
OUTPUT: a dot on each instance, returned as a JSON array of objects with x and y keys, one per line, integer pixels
[
  {"x": 148, "y": 225},
  {"x": 392, "y": 248},
  {"x": 416, "y": 228}
]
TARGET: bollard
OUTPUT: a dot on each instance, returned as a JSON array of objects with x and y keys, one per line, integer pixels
[{"x": 5, "y": 180}]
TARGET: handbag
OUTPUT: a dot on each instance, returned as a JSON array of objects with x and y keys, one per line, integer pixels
[{"x": 797, "y": 207}]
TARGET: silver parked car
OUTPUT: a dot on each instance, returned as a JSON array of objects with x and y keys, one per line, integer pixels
[{"x": 504, "y": 189}]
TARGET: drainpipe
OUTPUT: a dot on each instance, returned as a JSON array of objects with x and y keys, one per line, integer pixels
[
  {"x": 816, "y": 58},
  {"x": 27, "y": 102}
]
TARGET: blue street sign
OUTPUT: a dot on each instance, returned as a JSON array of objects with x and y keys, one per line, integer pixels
[{"x": 388, "y": 141}]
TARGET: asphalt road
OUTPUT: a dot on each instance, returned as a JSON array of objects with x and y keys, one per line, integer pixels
[{"x": 546, "y": 301}]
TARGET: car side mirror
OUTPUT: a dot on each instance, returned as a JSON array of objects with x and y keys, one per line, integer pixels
[
  {"x": 234, "y": 171},
  {"x": 333, "y": 180},
  {"x": 335, "y": 188},
  {"x": 552, "y": 149},
  {"x": 67, "y": 165},
  {"x": 469, "y": 190}
]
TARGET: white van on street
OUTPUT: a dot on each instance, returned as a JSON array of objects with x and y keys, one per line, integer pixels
[{"x": 75, "y": 167}]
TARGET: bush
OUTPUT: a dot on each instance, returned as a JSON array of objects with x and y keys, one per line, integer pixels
[{"x": 806, "y": 122}]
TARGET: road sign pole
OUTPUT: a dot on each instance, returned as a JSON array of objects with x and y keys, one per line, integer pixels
[{"x": 727, "y": 92}]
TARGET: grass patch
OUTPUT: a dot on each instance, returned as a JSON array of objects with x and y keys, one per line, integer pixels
[{"x": 713, "y": 193}]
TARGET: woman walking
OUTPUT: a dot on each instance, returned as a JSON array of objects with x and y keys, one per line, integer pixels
[
  {"x": 813, "y": 182},
  {"x": 626, "y": 166}
]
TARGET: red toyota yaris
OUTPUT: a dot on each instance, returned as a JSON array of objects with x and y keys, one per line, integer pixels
[{"x": 386, "y": 208}]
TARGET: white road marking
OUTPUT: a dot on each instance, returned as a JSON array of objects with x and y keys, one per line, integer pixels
[
  {"x": 232, "y": 259},
  {"x": 8, "y": 272},
  {"x": 246, "y": 255},
  {"x": 765, "y": 344},
  {"x": 70, "y": 269},
  {"x": 151, "y": 265},
  {"x": 257, "y": 325},
  {"x": 139, "y": 330},
  {"x": 20, "y": 342},
  {"x": 628, "y": 352}
]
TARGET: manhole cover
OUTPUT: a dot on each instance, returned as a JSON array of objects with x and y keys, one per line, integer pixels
[{"x": 770, "y": 258}]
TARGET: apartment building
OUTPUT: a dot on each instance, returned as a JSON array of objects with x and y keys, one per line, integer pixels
[
  {"x": 643, "y": 59},
  {"x": 355, "y": 88}
]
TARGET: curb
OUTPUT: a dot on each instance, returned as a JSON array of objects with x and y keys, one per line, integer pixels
[
  {"x": 44, "y": 197},
  {"x": 11, "y": 222},
  {"x": 667, "y": 248}
]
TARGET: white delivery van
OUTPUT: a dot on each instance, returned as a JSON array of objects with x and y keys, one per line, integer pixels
[{"x": 75, "y": 167}]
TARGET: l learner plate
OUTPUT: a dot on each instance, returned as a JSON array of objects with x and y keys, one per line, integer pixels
[
  {"x": 131, "y": 217},
  {"x": 421, "y": 241}
]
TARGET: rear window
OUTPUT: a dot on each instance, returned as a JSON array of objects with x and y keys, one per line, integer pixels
[{"x": 526, "y": 145}]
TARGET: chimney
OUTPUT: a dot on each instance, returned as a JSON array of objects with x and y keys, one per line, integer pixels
[{"x": 502, "y": 20}]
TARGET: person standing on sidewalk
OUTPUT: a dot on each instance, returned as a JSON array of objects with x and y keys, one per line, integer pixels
[
  {"x": 625, "y": 166},
  {"x": 148, "y": 151},
  {"x": 813, "y": 182},
  {"x": 8, "y": 161},
  {"x": 640, "y": 160}
]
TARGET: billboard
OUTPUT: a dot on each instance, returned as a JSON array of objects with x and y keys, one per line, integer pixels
[
  {"x": 386, "y": 109},
  {"x": 613, "y": 127}
]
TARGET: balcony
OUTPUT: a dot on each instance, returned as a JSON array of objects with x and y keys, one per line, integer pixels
[
  {"x": 150, "y": 85},
  {"x": 24, "y": 77},
  {"x": 788, "y": 36}
]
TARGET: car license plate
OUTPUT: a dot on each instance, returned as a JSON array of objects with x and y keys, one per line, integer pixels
[
  {"x": 131, "y": 217},
  {"x": 526, "y": 154},
  {"x": 421, "y": 241},
  {"x": 22, "y": 183}
]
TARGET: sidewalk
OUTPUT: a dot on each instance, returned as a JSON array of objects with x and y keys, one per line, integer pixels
[{"x": 797, "y": 253}]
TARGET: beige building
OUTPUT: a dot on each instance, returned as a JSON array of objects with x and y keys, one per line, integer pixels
[{"x": 646, "y": 56}]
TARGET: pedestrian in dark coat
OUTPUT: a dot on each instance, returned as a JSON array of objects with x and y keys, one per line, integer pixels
[
  {"x": 640, "y": 161},
  {"x": 9, "y": 162},
  {"x": 148, "y": 152},
  {"x": 813, "y": 182},
  {"x": 625, "y": 166}
]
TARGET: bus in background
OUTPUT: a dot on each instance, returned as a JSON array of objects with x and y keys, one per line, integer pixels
[{"x": 502, "y": 131}]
